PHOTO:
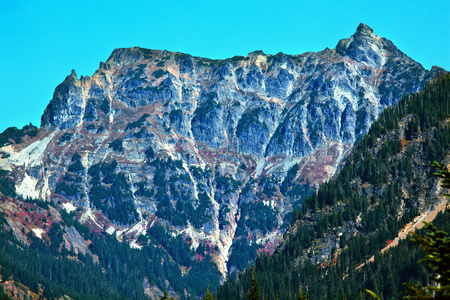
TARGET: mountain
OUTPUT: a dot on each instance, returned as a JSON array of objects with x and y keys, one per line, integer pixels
[
  {"x": 204, "y": 159},
  {"x": 341, "y": 242}
]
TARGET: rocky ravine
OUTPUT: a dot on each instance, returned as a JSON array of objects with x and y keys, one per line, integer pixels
[{"x": 219, "y": 150}]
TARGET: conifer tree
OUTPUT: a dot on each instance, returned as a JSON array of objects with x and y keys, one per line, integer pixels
[
  {"x": 436, "y": 244},
  {"x": 165, "y": 295},
  {"x": 254, "y": 291},
  {"x": 208, "y": 295},
  {"x": 301, "y": 296}
]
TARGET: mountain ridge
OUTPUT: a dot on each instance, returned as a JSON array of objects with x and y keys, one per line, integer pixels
[{"x": 221, "y": 151}]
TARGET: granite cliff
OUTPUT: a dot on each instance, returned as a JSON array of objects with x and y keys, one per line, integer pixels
[{"x": 217, "y": 151}]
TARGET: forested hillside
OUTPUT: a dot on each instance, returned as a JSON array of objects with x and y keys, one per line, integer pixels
[
  {"x": 54, "y": 265},
  {"x": 384, "y": 185}
]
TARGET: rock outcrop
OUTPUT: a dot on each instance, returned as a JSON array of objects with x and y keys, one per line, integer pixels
[{"x": 219, "y": 150}]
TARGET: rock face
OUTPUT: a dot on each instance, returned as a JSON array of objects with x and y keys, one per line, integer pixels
[{"x": 219, "y": 150}]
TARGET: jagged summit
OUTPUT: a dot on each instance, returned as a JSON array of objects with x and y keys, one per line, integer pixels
[
  {"x": 363, "y": 29},
  {"x": 366, "y": 47},
  {"x": 256, "y": 53},
  {"x": 125, "y": 56}
]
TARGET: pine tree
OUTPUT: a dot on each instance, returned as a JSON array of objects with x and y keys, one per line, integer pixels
[
  {"x": 301, "y": 296},
  {"x": 165, "y": 295},
  {"x": 437, "y": 246},
  {"x": 208, "y": 295},
  {"x": 254, "y": 291}
]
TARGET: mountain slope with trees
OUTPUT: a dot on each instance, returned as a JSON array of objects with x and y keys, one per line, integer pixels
[
  {"x": 385, "y": 183},
  {"x": 185, "y": 168}
]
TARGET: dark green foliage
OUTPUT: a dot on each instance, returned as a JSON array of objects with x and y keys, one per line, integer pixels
[
  {"x": 301, "y": 295},
  {"x": 257, "y": 216},
  {"x": 206, "y": 109},
  {"x": 138, "y": 72},
  {"x": 237, "y": 58},
  {"x": 253, "y": 293},
  {"x": 71, "y": 186},
  {"x": 223, "y": 211},
  {"x": 444, "y": 174},
  {"x": 208, "y": 295},
  {"x": 37, "y": 268},
  {"x": 3, "y": 295},
  {"x": 242, "y": 253},
  {"x": 150, "y": 153},
  {"x": 198, "y": 173},
  {"x": 65, "y": 137},
  {"x": 292, "y": 172},
  {"x": 15, "y": 135},
  {"x": 7, "y": 186},
  {"x": 72, "y": 178},
  {"x": 111, "y": 192},
  {"x": 138, "y": 123},
  {"x": 165, "y": 295},
  {"x": 175, "y": 115},
  {"x": 76, "y": 165},
  {"x": 226, "y": 184},
  {"x": 69, "y": 190},
  {"x": 143, "y": 191},
  {"x": 105, "y": 106},
  {"x": 173, "y": 183},
  {"x": 159, "y": 73},
  {"x": 437, "y": 246},
  {"x": 116, "y": 145},
  {"x": 269, "y": 186},
  {"x": 201, "y": 214},
  {"x": 90, "y": 127},
  {"x": 249, "y": 118}
]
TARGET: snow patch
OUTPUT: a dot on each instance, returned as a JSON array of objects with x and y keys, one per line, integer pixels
[
  {"x": 27, "y": 188},
  {"x": 110, "y": 230},
  {"x": 38, "y": 232},
  {"x": 134, "y": 245},
  {"x": 69, "y": 207},
  {"x": 29, "y": 156}
]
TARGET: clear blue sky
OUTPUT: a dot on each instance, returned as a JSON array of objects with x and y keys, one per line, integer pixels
[{"x": 42, "y": 41}]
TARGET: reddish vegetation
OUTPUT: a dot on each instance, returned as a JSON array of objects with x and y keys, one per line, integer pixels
[
  {"x": 198, "y": 257},
  {"x": 270, "y": 246}
]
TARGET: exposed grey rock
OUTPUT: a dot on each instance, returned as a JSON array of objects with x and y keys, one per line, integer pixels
[{"x": 224, "y": 132}]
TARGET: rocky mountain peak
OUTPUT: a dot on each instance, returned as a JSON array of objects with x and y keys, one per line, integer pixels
[
  {"x": 256, "y": 53},
  {"x": 365, "y": 46},
  {"x": 363, "y": 29},
  {"x": 222, "y": 150}
]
